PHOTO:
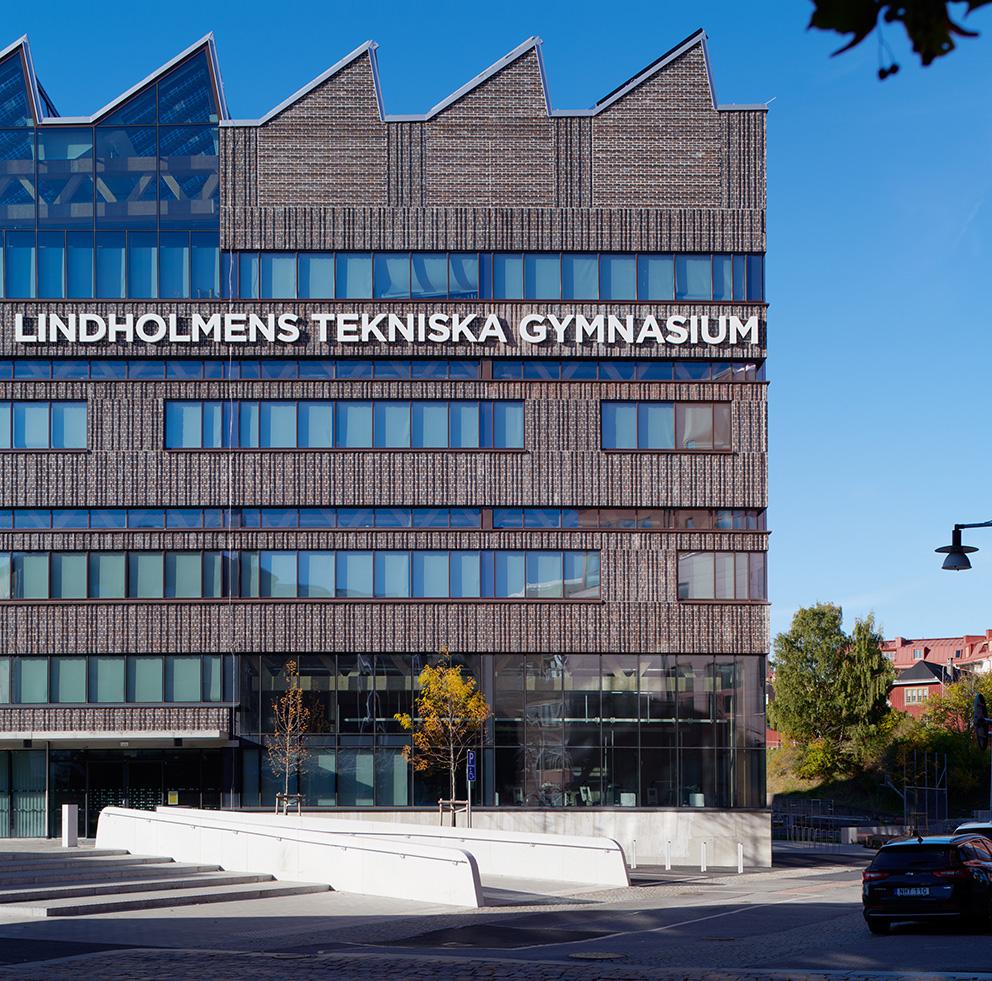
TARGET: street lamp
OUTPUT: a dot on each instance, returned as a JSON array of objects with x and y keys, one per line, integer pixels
[{"x": 957, "y": 554}]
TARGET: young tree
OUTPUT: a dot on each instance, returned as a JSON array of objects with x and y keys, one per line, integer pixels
[
  {"x": 830, "y": 689},
  {"x": 450, "y": 712},
  {"x": 866, "y": 675},
  {"x": 808, "y": 661},
  {"x": 287, "y": 744}
]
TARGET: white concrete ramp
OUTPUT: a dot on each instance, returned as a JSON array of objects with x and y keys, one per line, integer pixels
[
  {"x": 568, "y": 859},
  {"x": 273, "y": 845}
]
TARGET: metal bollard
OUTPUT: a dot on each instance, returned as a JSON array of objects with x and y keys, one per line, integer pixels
[
  {"x": 702, "y": 856},
  {"x": 740, "y": 858},
  {"x": 70, "y": 825},
  {"x": 633, "y": 853},
  {"x": 668, "y": 856}
]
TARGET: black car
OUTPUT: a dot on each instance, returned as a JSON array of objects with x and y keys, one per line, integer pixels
[{"x": 935, "y": 878}]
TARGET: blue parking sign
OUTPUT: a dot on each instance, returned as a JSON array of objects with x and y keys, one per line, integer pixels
[{"x": 470, "y": 766}]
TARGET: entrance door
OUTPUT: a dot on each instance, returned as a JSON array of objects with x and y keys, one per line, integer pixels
[{"x": 105, "y": 787}]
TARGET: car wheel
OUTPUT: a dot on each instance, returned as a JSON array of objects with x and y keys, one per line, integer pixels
[{"x": 877, "y": 926}]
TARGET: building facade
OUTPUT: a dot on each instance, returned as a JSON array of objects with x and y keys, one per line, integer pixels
[{"x": 338, "y": 387}]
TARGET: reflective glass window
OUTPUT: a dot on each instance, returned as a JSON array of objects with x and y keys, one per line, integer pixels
[
  {"x": 183, "y": 575},
  {"x": 183, "y": 425},
  {"x": 696, "y": 575},
  {"x": 353, "y": 275},
  {"x": 510, "y": 578},
  {"x": 278, "y": 270},
  {"x": 68, "y": 679},
  {"x": 619, "y": 425},
  {"x": 142, "y": 267},
  {"x": 723, "y": 277},
  {"x": 189, "y": 191},
  {"x": 277, "y": 573},
  {"x": 740, "y": 277},
  {"x": 353, "y": 424},
  {"x": 31, "y": 680},
  {"x": 65, "y": 176},
  {"x": 31, "y": 425},
  {"x": 354, "y": 577},
  {"x": 145, "y": 575},
  {"x": 106, "y": 575},
  {"x": 430, "y": 274},
  {"x": 316, "y": 424},
  {"x": 17, "y": 179},
  {"x": 15, "y": 109},
  {"x": 466, "y": 573},
  {"x": 182, "y": 679},
  {"x": 29, "y": 575},
  {"x": 110, "y": 265},
  {"x": 544, "y": 575},
  {"x": 174, "y": 264},
  {"x": 186, "y": 94},
  {"x": 204, "y": 265},
  {"x": 655, "y": 277},
  {"x": 51, "y": 264},
  {"x": 391, "y": 275},
  {"x": 392, "y": 574},
  {"x": 463, "y": 275},
  {"x": 430, "y": 574},
  {"x": 316, "y": 276},
  {"x": 248, "y": 275},
  {"x": 19, "y": 272},
  {"x": 429, "y": 424},
  {"x": 316, "y": 574},
  {"x": 79, "y": 265},
  {"x": 464, "y": 424},
  {"x": 755, "y": 277},
  {"x": 508, "y": 277},
  {"x": 106, "y": 682},
  {"x": 144, "y": 678},
  {"x": 127, "y": 177},
  {"x": 542, "y": 276},
  {"x": 580, "y": 277},
  {"x": 392, "y": 424},
  {"x": 618, "y": 277},
  {"x": 508, "y": 424},
  {"x": 68, "y": 571},
  {"x": 695, "y": 427},
  {"x": 693, "y": 277},
  {"x": 656, "y": 426},
  {"x": 277, "y": 424}
]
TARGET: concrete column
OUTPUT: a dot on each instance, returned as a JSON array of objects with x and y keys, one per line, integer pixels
[{"x": 70, "y": 825}]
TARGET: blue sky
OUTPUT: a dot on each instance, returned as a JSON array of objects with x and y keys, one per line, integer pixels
[{"x": 879, "y": 221}]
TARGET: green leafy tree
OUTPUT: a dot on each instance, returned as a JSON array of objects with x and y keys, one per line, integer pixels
[
  {"x": 830, "y": 689},
  {"x": 929, "y": 24},
  {"x": 808, "y": 659}
]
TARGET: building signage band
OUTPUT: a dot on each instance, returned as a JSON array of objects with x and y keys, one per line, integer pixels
[{"x": 384, "y": 328}]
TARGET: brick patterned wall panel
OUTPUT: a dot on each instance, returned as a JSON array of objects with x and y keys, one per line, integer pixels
[
  {"x": 495, "y": 145},
  {"x": 328, "y": 148},
  {"x": 118, "y": 718}
]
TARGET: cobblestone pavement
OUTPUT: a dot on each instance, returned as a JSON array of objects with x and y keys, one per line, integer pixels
[{"x": 155, "y": 965}]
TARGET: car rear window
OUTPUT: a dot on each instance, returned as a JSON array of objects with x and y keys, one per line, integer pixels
[{"x": 905, "y": 857}]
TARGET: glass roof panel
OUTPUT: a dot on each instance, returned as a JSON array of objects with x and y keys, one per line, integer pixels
[
  {"x": 138, "y": 109},
  {"x": 186, "y": 94},
  {"x": 15, "y": 109}
]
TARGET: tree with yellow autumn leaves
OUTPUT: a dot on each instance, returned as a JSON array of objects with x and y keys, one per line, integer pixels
[{"x": 448, "y": 720}]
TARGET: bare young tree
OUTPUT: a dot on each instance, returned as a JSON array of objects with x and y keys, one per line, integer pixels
[{"x": 287, "y": 746}]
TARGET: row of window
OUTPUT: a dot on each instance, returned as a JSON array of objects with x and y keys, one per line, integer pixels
[
  {"x": 114, "y": 679},
  {"x": 723, "y": 576},
  {"x": 141, "y": 519},
  {"x": 394, "y": 574},
  {"x": 42, "y": 425},
  {"x": 110, "y": 264},
  {"x": 494, "y": 275},
  {"x": 665, "y": 425},
  {"x": 344, "y": 424},
  {"x": 381, "y": 369}
]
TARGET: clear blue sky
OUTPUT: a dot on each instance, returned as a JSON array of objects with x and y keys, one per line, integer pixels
[{"x": 879, "y": 239}]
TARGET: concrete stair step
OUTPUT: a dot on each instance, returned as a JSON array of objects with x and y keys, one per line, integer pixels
[
  {"x": 189, "y": 881},
  {"x": 26, "y": 854},
  {"x": 166, "y": 870},
  {"x": 158, "y": 900},
  {"x": 78, "y": 863}
]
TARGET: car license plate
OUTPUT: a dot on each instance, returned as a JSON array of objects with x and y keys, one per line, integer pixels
[{"x": 914, "y": 891}]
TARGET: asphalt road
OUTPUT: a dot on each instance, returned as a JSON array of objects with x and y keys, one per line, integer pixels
[{"x": 795, "y": 922}]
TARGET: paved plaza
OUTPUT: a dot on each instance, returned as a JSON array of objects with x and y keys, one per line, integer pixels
[{"x": 797, "y": 920}]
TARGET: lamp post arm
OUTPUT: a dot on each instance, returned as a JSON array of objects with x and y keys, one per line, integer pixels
[{"x": 976, "y": 524}]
